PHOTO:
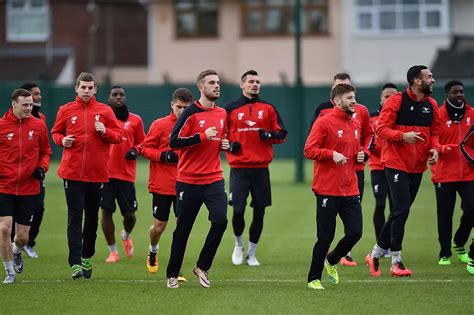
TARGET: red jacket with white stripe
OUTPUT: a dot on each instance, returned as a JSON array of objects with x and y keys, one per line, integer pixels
[
  {"x": 452, "y": 165},
  {"x": 244, "y": 118},
  {"x": 133, "y": 134},
  {"x": 162, "y": 178},
  {"x": 24, "y": 146},
  {"x": 402, "y": 113},
  {"x": 199, "y": 160},
  {"x": 339, "y": 132},
  {"x": 362, "y": 115},
  {"x": 86, "y": 160}
]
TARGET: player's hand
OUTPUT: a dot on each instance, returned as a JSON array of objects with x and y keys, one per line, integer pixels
[
  {"x": 264, "y": 135},
  {"x": 449, "y": 148},
  {"x": 225, "y": 144},
  {"x": 433, "y": 159},
  {"x": 339, "y": 158},
  {"x": 360, "y": 157},
  {"x": 210, "y": 132},
  {"x": 412, "y": 137},
  {"x": 169, "y": 157},
  {"x": 67, "y": 141},
  {"x": 234, "y": 147},
  {"x": 38, "y": 174},
  {"x": 100, "y": 127},
  {"x": 132, "y": 154}
]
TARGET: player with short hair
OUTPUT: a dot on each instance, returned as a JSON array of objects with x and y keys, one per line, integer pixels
[
  {"x": 199, "y": 134},
  {"x": 409, "y": 125},
  {"x": 377, "y": 174},
  {"x": 163, "y": 172},
  {"x": 453, "y": 174},
  {"x": 254, "y": 125},
  {"x": 334, "y": 143},
  {"x": 24, "y": 160},
  {"x": 84, "y": 128},
  {"x": 122, "y": 169}
]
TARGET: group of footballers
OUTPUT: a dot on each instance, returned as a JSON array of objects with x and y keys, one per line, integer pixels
[{"x": 398, "y": 140}]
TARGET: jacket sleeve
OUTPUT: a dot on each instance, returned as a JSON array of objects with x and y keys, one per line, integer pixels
[
  {"x": 59, "y": 128},
  {"x": 113, "y": 132},
  {"x": 45, "y": 148},
  {"x": 313, "y": 149},
  {"x": 139, "y": 135},
  {"x": 181, "y": 138},
  {"x": 277, "y": 127},
  {"x": 149, "y": 148},
  {"x": 388, "y": 115},
  {"x": 435, "y": 128},
  {"x": 367, "y": 131}
]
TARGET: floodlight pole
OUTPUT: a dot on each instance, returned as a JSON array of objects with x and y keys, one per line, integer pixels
[{"x": 299, "y": 98}]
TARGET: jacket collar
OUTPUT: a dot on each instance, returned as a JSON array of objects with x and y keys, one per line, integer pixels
[
  {"x": 413, "y": 96},
  {"x": 172, "y": 116},
  {"x": 339, "y": 113},
  {"x": 81, "y": 102},
  {"x": 251, "y": 100}
]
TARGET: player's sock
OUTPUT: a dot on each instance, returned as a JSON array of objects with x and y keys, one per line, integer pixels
[
  {"x": 396, "y": 257},
  {"x": 9, "y": 266},
  {"x": 239, "y": 241},
  {"x": 251, "y": 249},
  {"x": 125, "y": 235},
  {"x": 16, "y": 249},
  {"x": 112, "y": 248},
  {"x": 154, "y": 248},
  {"x": 377, "y": 251}
]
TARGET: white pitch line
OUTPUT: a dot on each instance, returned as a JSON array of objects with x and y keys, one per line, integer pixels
[{"x": 263, "y": 281}]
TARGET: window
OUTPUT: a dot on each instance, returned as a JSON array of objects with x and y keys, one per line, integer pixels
[
  {"x": 276, "y": 17},
  {"x": 401, "y": 17},
  {"x": 27, "y": 20},
  {"x": 196, "y": 18}
]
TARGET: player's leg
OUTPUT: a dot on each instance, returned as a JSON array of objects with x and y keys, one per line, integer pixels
[
  {"x": 239, "y": 186},
  {"x": 109, "y": 194},
  {"x": 128, "y": 204},
  {"x": 466, "y": 192},
  {"x": 6, "y": 221},
  {"x": 35, "y": 225},
  {"x": 445, "y": 202}
]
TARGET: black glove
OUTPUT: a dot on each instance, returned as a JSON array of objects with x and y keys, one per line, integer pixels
[
  {"x": 169, "y": 157},
  {"x": 132, "y": 154},
  {"x": 38, "y": 174},
  {"x": 234, "y": 147},
  {"x": 264, "y": 135}
]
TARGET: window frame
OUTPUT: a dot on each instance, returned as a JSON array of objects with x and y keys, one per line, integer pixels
[
  {"x": 27, "y": 10},
  {"x": 423, "y": 8},
  {"x": 265, "y": 7},
  {"x": 196, "y": 12}
]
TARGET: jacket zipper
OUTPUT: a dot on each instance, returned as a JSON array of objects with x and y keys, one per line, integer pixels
[
  {"x": 20, "y": 142},
  {"x": 85, "y": 142}
]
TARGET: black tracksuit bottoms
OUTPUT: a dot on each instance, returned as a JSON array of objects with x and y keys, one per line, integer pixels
[
  {"x": 403, "y": 188},
  {"x": 189, "y": 201},
  {"x": 327, "y": 208},
  {"x": 82, "y": 197},
  {"x": 445, "y": 202}
]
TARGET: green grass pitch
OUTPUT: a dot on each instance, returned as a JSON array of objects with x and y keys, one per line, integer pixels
[{"x": 277, "y": 286}]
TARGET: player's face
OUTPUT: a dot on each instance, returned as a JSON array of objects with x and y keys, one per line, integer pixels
[
  {"x": 347, "y": 102},
  {"x": 386, "y": 93},
  {"x": 210, "y": 87},
  {"x": 22, "y": 106},
  {"x": 117, "y": 97},
  {"x": 36, "y": 94},
  {"x": 456, "y": 95},
  {"x": 178, "y": 107},
  {"x": 251, "y": 86},
  {"x": 86, "y": 90},
  {"x": 426, "y": 82}
]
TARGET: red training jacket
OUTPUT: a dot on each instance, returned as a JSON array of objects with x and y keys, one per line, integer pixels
[
  {"x": 452, "y": 165},
  {"x": 375, "y": 162},
  {"x": 86, "y": 160},
  {"x": 395, "y": 119},
  {"x": 162, "y": 178},
  {"x": 199, "y": 161},
  {"x": 334, "y": 132},
  {"x": 362, "y": 115},
  {"x": 244, "y": 118},
  {"x": 133, "y": 135},
  {"x": 24, "y": 146}
]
